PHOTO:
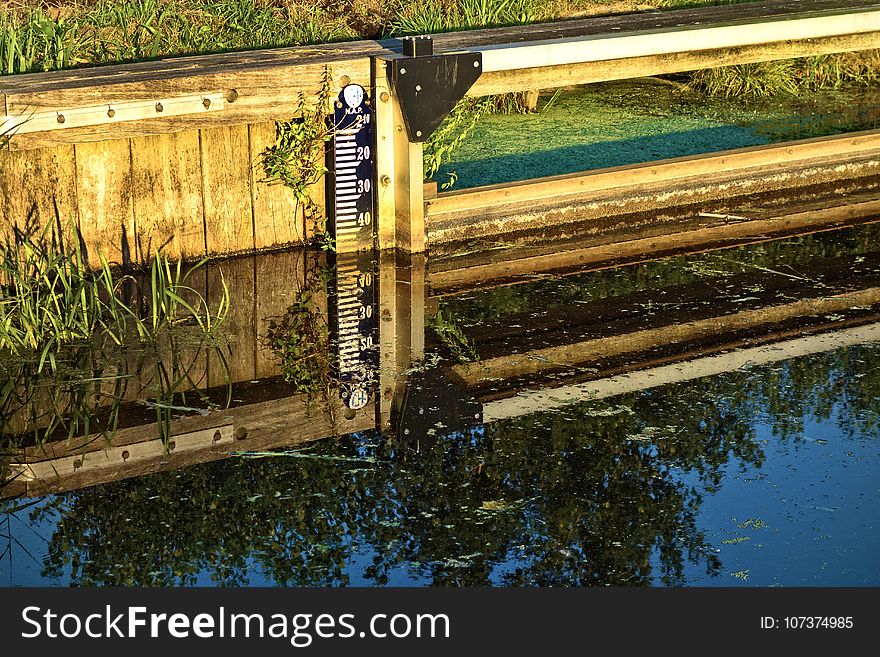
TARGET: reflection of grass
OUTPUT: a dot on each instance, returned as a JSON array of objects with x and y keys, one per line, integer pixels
[
  {"x": 73, "y": 338},
  {"x": 452, "y": 337},
  {"x": 300, "y": 341}
]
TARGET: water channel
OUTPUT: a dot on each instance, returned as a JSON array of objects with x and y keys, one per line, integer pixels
[{"x": 703, "y": 419}]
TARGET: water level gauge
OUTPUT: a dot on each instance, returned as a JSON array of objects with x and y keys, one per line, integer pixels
[{"x": 353, "y": 300}]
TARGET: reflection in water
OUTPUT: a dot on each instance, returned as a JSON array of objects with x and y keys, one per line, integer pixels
[
  {"x": 601, "y": 493},
  {"x": 760, "y": 474}
]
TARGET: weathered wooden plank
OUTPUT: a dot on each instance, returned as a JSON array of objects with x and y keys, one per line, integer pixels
[
  {"x": 280, "y": 277},
  {"x": 106, "y": 213},
  {"x": 274, "y": 424},
  {"x": 226, "y": 181},
  {"x": 36, "y": 187},
  {"x": 240, "y": 324},
  {"x": 268, "y": 83},
  {"x": 277, "y": 215},
  {"x": 627, "y": 251},
  {"x": 261, "y": 93},
  {"x": 167, "y": 195},
  {"x": 551, "y": 77},
  {"x": 733, "y": 34},
  {"x": 666, "y": 171}
]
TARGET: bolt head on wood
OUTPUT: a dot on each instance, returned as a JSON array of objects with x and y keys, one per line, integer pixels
[{"x": 384, "y": 96}]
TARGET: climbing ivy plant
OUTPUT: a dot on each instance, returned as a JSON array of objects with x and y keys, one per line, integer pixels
[{"x": 296, "y": 159}]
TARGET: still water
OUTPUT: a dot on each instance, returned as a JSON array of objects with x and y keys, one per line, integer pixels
[{"x": 704, "y": 420}]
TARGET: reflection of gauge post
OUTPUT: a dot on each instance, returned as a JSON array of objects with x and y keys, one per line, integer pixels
[{"x": 357, "y": 398}]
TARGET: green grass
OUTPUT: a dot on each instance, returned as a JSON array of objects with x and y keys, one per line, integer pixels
[
  {"x": 73, "y": 338},
  {"x": 105, "y": 31},
  {"x": 791, "y": 76}
]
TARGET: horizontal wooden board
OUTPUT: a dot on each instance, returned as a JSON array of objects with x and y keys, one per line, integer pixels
[
  {"x": 553, "y": 77},
  {"x": 268, "y": 83},
  {"x": 535, "y": 401},
  {"x": 555, "y": 187}
]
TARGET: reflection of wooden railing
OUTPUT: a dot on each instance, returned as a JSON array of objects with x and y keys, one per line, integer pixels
[
  {"x": 598, "y": 341},
  {"x": 168, "y": 152},
  {"x": 770, "y": 217},
  {"x": 534, "y": 401},
  {"x": 251, "y": 426},
  {"x": 597, "y": 338}
]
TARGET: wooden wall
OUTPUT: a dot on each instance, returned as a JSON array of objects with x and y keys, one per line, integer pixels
[{"x": 195, "y": 193}]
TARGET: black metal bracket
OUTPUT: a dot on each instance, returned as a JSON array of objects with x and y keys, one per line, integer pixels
[
  {"x": 428, "y": 86},
  {"x": 432, "y": 406}
]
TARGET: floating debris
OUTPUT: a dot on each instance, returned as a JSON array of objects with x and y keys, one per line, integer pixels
[{"x": 300, "y": 455}]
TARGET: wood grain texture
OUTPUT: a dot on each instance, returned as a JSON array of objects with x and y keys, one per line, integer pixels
[
  {"x": 36, "y": 187},
  {"x": 264, "y": 93},
  {"x": 240, "y": 324},
  {"x": 226, "y": 180},
  {"x": 280, "y": 277},
  {"x": 268, "y": 82},
  {"x": 106, "y": 213},
  {"x": 551, "y": 77},
  {"x": 167, "y": 195},
  {"x": 277, "y": 218},
  {"x": 283, "y": 422}
]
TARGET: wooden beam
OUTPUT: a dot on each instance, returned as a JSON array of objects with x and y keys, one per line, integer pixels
[
  {"x": 665, "y": 41},
  {"x": 399, "y": 173},
  {"x": 265, "y": 85},
  {"x": 552, "y": 77},
  {"x": 278, "y": 423}
]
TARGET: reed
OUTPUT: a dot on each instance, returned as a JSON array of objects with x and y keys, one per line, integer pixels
[{"x": 73, "y": 337}]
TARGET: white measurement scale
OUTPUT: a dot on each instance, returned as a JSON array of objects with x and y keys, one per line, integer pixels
[{"x": 353, "y": 300}]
